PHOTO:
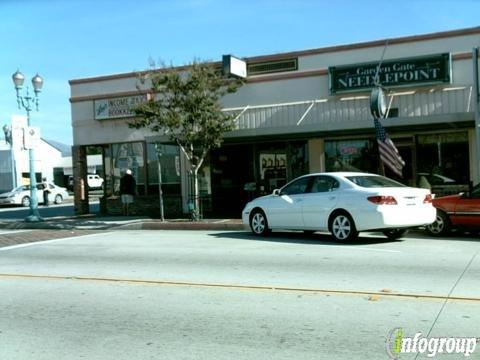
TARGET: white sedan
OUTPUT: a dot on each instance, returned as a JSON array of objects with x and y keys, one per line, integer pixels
[
  {"x": 343, "y": 203},
  {"x": 21, "y": 195}
]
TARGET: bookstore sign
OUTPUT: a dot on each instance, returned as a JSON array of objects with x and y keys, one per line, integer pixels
[
  {"x": 422, "y": 70},
  {"x": 119, "y": 107}
]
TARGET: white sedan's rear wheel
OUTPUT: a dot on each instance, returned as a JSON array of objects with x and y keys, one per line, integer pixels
[
  {"x": 259, "y": 223},
  {"x": 58, "y": 199},
  {"x": 343, "y": 227}
]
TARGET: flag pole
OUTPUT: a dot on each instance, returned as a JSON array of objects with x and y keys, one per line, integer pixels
[
  {"x": 377, "y": 84},
  {"x": 376, "y": 80}
]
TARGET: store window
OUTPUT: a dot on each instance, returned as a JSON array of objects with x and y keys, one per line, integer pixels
[
  {"x": 170, "y": 168},
  {"x": 119, "y": 158},
  {"x": 442, "y": 159},
  {"x": 273, "y": 170},
  {"x": 351, "y": 155},
  {"x": 280, "y": 163},
  {"x": 298, "y": 159}
]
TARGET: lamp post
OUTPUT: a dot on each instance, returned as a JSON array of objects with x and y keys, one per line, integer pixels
[{"x": 27, "y": 103}]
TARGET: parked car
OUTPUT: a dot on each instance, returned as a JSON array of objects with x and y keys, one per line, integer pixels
[
  {"x": 21, "y": 195},
  {"x": 456, "y": 211},
  {"x": 94, "y": 181},
  {"x": 343, "y": 203},
  {"x": 435, "y": 179}
]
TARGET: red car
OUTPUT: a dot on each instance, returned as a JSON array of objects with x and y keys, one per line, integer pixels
[{"x": 462, "y": 210}]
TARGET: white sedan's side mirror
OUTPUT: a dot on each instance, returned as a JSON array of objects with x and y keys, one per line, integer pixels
[{"x": 276, "y": 192}]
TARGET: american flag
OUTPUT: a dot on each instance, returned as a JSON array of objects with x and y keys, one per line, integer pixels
[{"x": 388, "y": 152}]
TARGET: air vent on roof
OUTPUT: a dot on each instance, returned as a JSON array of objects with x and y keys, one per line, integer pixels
[{"x": 268, "y": 67}]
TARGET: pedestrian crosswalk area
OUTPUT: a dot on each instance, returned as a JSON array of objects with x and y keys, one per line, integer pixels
[{"x": 18, "y": 237}]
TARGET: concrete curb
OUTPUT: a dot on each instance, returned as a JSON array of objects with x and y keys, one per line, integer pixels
[
  {"x": 190, "y": 226},
  {"x": 93, "y": 223}
]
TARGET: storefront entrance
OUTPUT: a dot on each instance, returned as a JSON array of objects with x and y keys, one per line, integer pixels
[
  {"x": 240, "y": 173},
  {"x": 231, "y": 169}
]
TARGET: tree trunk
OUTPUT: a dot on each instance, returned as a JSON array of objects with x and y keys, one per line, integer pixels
[
  {"x": 195, "y": 165},
  {"x": 196, "y": 198},
  {"x": 160, "y": 192}
]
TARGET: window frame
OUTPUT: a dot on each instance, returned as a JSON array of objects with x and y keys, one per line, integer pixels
[
  {"x": 334, "y": 184},
  {"x": 303, "y": 178}
]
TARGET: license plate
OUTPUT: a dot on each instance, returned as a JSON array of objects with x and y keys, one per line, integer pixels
[{"x": 410, "y": 201}]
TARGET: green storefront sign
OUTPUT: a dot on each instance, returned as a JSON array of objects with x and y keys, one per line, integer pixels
[{"x": 393, "y": 73}]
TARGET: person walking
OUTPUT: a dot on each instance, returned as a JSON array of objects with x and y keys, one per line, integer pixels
[
  {"x": 127, "y": 191},
  {"x": 46, "y": 193}
]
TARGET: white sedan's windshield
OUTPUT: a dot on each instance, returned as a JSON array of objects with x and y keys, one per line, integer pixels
[
  {"x": 373, "y": 181},
  {"x": 21, "y": 188}
]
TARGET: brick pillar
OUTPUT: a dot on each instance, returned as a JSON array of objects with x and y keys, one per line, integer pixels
[{"x": 80, "y": 185}]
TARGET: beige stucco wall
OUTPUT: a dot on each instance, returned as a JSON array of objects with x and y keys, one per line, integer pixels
[
  {"x": 88, "y": 131},
  {"x": 452, "y": 45}
]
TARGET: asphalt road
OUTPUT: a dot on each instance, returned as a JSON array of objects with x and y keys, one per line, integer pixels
[{"x": 230, "y": 295}]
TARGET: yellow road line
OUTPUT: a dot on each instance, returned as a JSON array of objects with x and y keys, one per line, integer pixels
[{"x": 241, "y": 287}]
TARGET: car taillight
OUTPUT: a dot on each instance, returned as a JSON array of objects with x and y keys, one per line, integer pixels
[
  {"x": 428, "y": 199},
  {"x": 382, "y": 200}
]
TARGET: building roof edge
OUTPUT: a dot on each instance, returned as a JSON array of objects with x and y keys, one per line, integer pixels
[{"x": 309, "y": 52}]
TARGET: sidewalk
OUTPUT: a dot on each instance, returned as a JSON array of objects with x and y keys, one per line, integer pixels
[{"x": 98, "y": 222}]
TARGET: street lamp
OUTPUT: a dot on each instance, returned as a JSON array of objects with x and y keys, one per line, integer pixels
[{"x": 27, "y": 102}]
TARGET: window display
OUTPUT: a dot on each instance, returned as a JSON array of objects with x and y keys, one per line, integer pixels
[
  {"x": 119, "y": 158},
  {"x": 170, "y": 161},
  {"x": 443, "y": 158},
  {"x": 351, "y": 155}
]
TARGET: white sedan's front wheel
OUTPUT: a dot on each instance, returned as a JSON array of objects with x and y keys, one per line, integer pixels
[
  {"x": 259, "y": 223},
  {"x": 26, "y": 201},
  {"x": 343, "y": 227}
]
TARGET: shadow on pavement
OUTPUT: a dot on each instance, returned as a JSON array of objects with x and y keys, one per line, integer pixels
[
  {"x": 455, "y": 235},
  {"x": 301, "y": 238},
  {"x": 47, "y": 212}
]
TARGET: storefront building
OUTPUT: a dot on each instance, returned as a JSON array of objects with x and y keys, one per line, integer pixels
[
  {"x": 15, "y": 161},
  {"x": 299, "y": 112}
]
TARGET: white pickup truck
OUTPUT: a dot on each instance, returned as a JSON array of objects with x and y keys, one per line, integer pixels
[{"x": 94, "y": 181}]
